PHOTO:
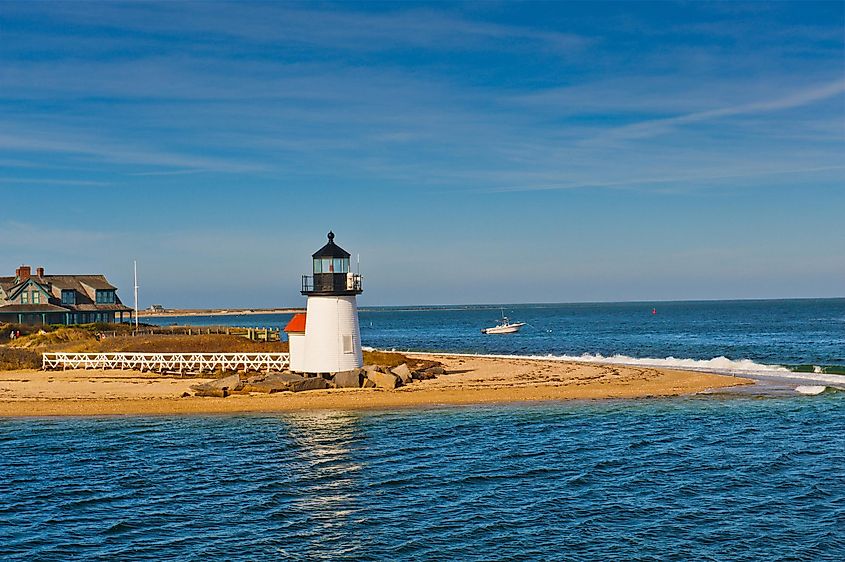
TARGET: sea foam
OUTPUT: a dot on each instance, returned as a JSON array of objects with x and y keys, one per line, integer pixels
[{"x": 719, "y": 365}]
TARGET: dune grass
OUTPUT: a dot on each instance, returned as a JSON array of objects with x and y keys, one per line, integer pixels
[
  {"x": 14, "y": 359},
  {"x": 25, "y": 352}
]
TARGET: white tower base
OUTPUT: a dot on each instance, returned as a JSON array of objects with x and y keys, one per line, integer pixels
[
  {"x": 296, "y": 342},
  {"x": 332, "y": 335}
]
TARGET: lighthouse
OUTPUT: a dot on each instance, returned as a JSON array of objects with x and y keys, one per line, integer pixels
[{"x": 332, "y": 341}]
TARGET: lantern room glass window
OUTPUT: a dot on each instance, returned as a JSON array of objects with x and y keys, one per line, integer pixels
[{"x": 331, "y": 265}]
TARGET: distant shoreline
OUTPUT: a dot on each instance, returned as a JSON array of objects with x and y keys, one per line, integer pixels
[
  {"x": 454, "y": 306},
  {"x": 217, "y": 312}
]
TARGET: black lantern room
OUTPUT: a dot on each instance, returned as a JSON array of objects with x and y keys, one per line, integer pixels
[{"x": 331, "y": 274}]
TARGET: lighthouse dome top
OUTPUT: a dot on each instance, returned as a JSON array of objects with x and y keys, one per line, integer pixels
[{"x": 331, "y": 250}]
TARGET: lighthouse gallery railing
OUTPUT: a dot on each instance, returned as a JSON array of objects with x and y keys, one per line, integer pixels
[
  {"x": 332, "y": 282},
  {"x": 173, "y": 362}
]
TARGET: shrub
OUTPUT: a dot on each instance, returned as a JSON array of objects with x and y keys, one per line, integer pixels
[
  {"x": 24, "y": 329},
  {"x": 51, "y": 340},
  {"x": 13, "y": 359}
]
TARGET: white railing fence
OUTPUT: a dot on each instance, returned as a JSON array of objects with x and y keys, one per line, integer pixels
[{"x": 169, "y": 362}]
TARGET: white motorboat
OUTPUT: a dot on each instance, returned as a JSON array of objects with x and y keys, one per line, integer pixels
[{"x": 504, "y": 327}]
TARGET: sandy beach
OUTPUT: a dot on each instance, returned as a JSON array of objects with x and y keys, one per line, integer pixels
[{"x": 469, "y": 380}]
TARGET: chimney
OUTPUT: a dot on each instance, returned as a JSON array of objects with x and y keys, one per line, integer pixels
[
  {"x": 23, "y": 273},
  {"x": 40, "y": 272}
]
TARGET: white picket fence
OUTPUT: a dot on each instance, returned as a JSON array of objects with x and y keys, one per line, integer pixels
[{"x": 169, "y": 362}]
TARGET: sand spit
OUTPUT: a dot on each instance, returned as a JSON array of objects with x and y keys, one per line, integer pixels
[{"x": 469, "y": 380}]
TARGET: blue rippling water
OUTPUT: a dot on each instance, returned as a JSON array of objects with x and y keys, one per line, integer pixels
[{"x": 715, "y": 478}]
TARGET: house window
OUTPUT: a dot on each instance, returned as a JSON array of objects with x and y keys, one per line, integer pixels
[
  {"x": 25, "y": 298},
  {"x": 68, "y": 296},
  {"x": 347, "y": 344},
  {"x": 36, "y": 297},
  {"x": 105, "y": 297}
]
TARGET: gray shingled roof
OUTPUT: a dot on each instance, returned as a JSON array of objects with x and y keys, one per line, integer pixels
[
  {"x": 96, "y": 282},
  {"x": 117, "y": 307},
  {"x": 30, "y": 308}
]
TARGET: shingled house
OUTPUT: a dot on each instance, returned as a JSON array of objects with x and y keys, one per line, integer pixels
[{"x": 59, "y": 299}]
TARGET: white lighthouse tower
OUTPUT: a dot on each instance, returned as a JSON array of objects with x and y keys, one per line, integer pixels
[{"x": 332, "y": 335}]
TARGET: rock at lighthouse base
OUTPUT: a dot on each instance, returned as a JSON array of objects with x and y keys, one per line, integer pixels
[
  {"x": 403, "y": 372},
  {"x": 316, "y": 383},
  {"x": 220, "y": 388},
  {"x": 348, "y": 379},
  {"x": 274, "y": 382},
  {"x": 383, "y": 380}
]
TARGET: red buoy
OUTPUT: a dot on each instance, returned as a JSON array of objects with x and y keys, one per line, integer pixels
[{"x": 654, "y": 311}]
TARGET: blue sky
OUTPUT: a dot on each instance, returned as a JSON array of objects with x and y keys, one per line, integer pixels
[{"x": 470, "y": 152}]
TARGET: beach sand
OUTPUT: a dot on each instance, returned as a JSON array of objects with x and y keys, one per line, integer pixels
[{"x": 469, "y": 380}]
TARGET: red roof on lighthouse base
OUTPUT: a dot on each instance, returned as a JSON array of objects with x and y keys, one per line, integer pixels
[{"x": 296, "y": 324}]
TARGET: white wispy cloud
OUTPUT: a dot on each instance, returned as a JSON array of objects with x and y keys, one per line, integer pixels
[
  {"x": 27, "y": 139},
  {"x": 654, "y": 127},
  {"x": 339, "y": 112},
  {"x": 684, "y": 180},
  {"x": 347, "y": 29}
]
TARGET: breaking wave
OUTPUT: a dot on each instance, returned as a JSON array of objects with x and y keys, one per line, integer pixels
[
  {"x": 717, "y": 364},
  {"x": 714, "y": 365},
  {"x": 720, "y": 365}
]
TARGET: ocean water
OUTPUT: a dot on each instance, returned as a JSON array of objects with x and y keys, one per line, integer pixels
[
  {"x": 718, "y": 477},
  {"x": 730, "y": 336},
  {"x": 702, "y": 478}
]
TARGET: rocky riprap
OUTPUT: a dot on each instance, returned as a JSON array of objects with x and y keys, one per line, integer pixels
[{"x": 371, "y": 376}]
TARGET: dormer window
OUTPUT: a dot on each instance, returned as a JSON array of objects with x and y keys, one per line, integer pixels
[
  {"x": 105, "y": 297},
  {"x": 36, "y": 297},
  {"x": 68, "y": 296}
]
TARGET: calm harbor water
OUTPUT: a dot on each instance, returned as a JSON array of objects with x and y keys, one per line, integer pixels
[
  {"x": 722, "y": 335},
  {"x": 710, "y": 478}
]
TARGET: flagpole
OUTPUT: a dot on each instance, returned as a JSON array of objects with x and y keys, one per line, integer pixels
[{"x": 136, "y": 294}]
